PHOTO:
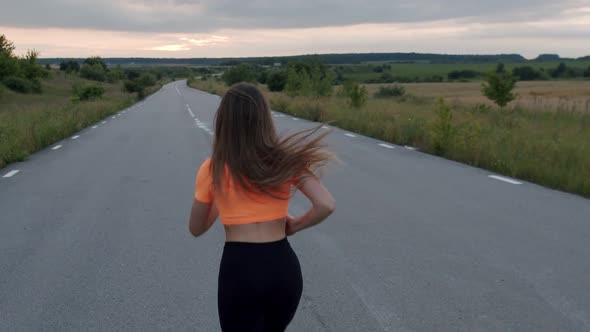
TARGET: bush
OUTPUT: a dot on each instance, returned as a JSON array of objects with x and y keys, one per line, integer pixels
[
  {"x": 69, "y": 66},
  {"x": 463, "y": 74},
  {"x": 93, "y": 72},
  {"x": 587, "y": 72},
  {"x": 355, "y": 94},
  {"x": 309, "y": 78},
  {"x": 240, "y": 73},
  {"x": 390, "y": 91},
  {"x": 18, "y": 84},
  {"x": 526, "y": 73},
  {"x": 442, "y": 129},
  {"x": 90, "y": 92},
  {"x": 277, "y": 79}
]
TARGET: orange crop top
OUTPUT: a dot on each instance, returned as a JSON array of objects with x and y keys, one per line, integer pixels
[{"x": 237, "y": 207}]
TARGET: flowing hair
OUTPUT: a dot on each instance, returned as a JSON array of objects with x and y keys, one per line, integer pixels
[{"x": 247, "y": 145}]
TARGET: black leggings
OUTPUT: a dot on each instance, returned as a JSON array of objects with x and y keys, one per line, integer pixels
[{"x": 260, "y": 286}]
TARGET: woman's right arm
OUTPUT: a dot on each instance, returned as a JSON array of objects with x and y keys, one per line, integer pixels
[{"x": 322, "y": 201}]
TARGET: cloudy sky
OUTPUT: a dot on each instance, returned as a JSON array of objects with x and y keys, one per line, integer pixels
[{"x": 224, "y": 28}]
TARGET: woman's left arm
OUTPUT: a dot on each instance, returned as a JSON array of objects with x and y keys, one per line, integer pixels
[{"x": 203, "y": 215}]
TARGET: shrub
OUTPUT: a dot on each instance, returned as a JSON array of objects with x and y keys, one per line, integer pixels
[
  {"x": 356, "y": 94},
  {"x": 463, "y": 74},
  {"x": 526, "y": 73},
  {"x": 93, "y": 72},
  {"x": 587, "y": 72},
  {"x": 90, "y": 92},
  {"x": 309, "y": 78},
  {"x": 18, "y": 84},
  {"x": 240, "y": 73},
  {"x": 499, "y": 88},
  {"x": 390, "y": 91},
  {"x": 277, "y": 80},
  {"x": 442, "y": 128},
  {"x": 69, "y": 66}
]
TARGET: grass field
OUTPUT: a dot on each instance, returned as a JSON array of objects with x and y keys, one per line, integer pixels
[
  {"x": 547, "y": 96},
  {"x": 362, "y": 72},
  {"x": 30, "y": 122},
  {"x": 551, "y": 148}
]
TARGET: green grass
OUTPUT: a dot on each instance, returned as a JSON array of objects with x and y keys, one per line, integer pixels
[
  {"x": 363, "y": 72},
  {"x": 548, "y": 148},
  {"x": 31, "y": 122}
]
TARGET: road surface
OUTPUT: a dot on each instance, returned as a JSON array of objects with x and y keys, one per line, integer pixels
[{"x": 94, "y": 237}]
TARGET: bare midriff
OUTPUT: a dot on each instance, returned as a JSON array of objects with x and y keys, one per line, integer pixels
[{"x": 267, "y": 231}]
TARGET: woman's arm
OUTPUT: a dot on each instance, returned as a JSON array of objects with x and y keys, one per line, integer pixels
[
  {"x": 323, "y": 205},
  {"x": 203, "y": 215}
]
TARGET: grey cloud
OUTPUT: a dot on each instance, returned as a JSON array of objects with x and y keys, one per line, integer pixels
[{"x": 193, "y": 16}]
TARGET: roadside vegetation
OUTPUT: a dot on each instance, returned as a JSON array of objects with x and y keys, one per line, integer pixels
[
  {"x": 549, "y": 145},
  {"x": 40, "y": 105}
]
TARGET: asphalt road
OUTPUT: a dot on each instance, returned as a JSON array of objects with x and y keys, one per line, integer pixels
[{"x": 93, "y": 237}]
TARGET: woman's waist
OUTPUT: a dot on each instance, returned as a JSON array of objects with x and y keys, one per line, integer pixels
[{"x": 256, "y": 232}]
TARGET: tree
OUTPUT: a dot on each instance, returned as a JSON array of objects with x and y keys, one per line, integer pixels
[
  {"x": 96, "y": 60},
  {"x": 9, "y": 65},
  {"x": 587, "y": 72},
  {"x": 240, "y": 73},
  {"x": 355, "y": 94},
  {"x": 499, "y": 88},
  {"x": 29, "y": 66},
  {"x": 277, "y": 79},
  {"x": 93, "y": 72},
  {"x": 500, "y": 68},
  {"x": 69, "y": 66},
  {"x": 309, "y": 78},
  {"x": 526, "y": 73}
]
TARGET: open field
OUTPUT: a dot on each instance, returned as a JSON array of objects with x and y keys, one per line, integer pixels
[
  {"x": 362, "y": 72},
  {"x": 547, "y": 96},
  {"x": 549, "y": 148},
  {"x": 29, "y": 122}
]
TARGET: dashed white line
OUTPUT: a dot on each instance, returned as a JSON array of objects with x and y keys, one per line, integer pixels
[
  {"x": 387, "y": 146},
  {"x": 75, "y": 137},
  {"x": 56, "y": 147},
  {"x": 94, "y": 127},
  {"x": 281, "y": 115},
  {"x": 104, "y": 122},
  {"x": 409, "y": 147},
  {"x": 325, "y": 127},
  {"x": 350, "y": 135},
  {"x": 501, "y": 178},
  {"x": 11, "y": 173},
  {"x": 190, "y": 112},
  {"x": 295, "y": 119},
  {"x": 114, "y": 117}
]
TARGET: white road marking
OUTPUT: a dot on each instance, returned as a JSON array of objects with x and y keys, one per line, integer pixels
[
  {"x": 74, "y": 137},
  {"x": 501, "y": 178},
  {"x": 281, "y": 115},
  {"x": 114, "y": 117},
  {"x": 191, "y": 112},
  {"x": 387, "y": 146},
  {"x": 409, "y": 148},
  {"x": 104, "y": 122},
  {"x": 295, "y": 119},
  {"x": 325, "y": 127},
  {"x": 94, "y": 127},
  {"x": 11, "y": 173},
  {"x": 56, "y": 147},
  {"x": 350, "y": 135}
]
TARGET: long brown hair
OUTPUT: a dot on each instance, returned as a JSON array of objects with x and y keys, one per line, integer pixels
[{"x": 246, "y": 142}]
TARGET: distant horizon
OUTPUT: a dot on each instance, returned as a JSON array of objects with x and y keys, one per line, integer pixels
[
  {"x": 185, "y": 29},
  {"x": 313, "y": 54}
]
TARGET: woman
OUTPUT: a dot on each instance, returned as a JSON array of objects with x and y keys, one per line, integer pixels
[{"x": 248, "y": 182}]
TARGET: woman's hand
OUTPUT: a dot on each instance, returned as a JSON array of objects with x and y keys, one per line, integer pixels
[{"x": 289, "y": 225}]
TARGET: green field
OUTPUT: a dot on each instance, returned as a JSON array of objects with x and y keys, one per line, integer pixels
[{"x": 363, "y": 72}]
